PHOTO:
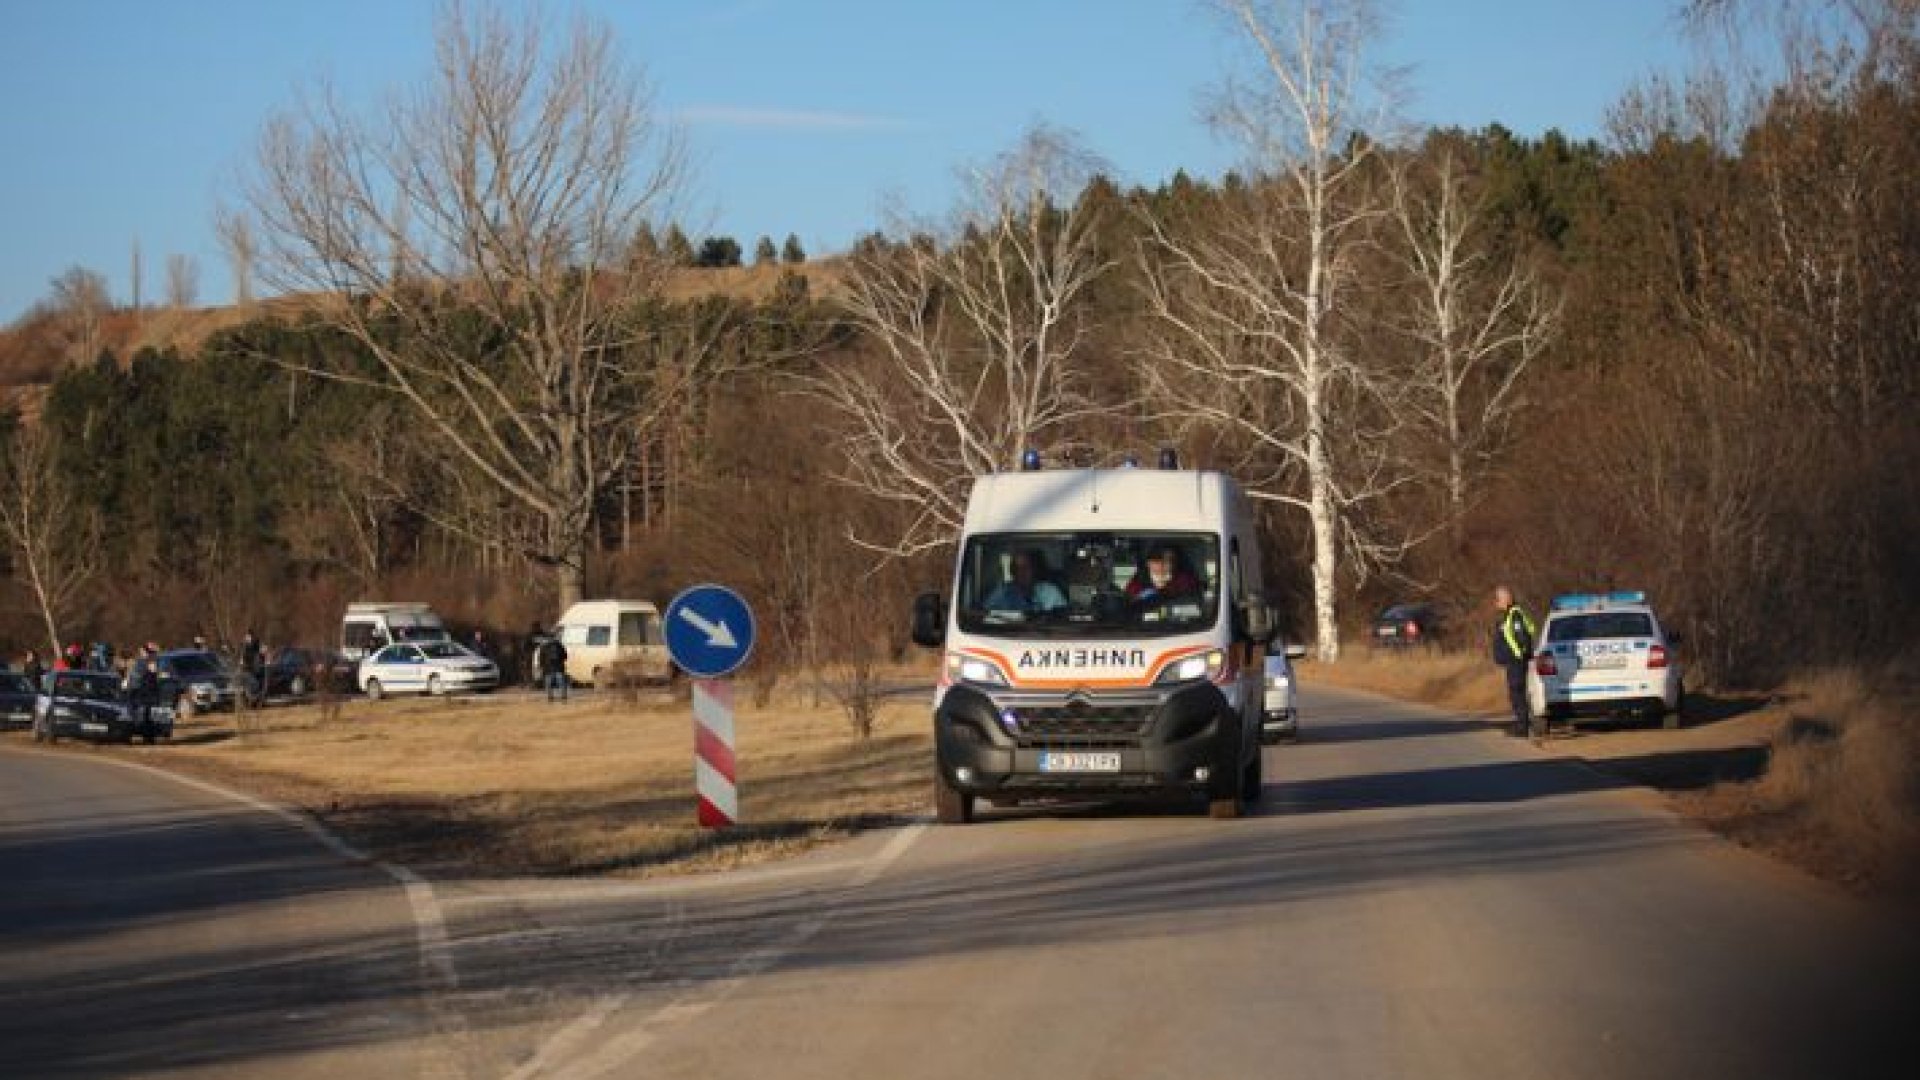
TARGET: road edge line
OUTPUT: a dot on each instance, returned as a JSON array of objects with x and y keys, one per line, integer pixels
[{"x": 429, "y": 924}]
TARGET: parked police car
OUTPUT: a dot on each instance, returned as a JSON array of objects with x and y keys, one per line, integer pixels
[{"x": 1605, "y": 655}]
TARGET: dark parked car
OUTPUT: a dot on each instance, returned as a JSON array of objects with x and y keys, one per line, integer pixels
[
  {"x": 1404, "y": 626},
  {"x": 16, "y": 700},
  {"x": 202, "y": 681},
  {"x": 91, "y": 705},
  {"x": 295, "y": 672}
]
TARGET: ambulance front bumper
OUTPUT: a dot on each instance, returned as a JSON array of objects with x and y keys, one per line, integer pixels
[{"x": 1036, "y": 745}]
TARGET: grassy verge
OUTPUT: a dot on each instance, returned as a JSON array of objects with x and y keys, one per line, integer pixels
[
  {"x": 1467, "y": 682},
  {"x": 1824, "y": 773},
  {"x": 1841, "y": 793},
  {"x": 510, "y": 785}
]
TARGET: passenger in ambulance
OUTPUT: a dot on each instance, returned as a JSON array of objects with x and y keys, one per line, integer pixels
[
  {"x": 1028, "y": 588},
  {"x": 1164, "y": 576}
]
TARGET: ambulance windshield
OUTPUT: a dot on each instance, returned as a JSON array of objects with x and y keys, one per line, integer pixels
[{"x": 1089, "y": 584}]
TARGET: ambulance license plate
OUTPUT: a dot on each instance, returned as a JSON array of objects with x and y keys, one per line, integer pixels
[{"x": 1079, "y": 763}]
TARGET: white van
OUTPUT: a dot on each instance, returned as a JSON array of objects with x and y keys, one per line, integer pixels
[
  {"x": 605, "y": 636},
  {"x": 369, "y": 627},
  {"x": 1106, "y": 636}
]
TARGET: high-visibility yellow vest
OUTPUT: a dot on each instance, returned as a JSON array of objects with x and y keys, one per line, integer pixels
[{"x": 1513, "y": 640}]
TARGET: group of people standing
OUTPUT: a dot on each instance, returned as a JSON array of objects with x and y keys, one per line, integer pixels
[{"x": 142, "y": 662}]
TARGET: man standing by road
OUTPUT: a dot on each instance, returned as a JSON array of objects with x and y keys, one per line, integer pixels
[
  {"x": 553, "y": 661},
  {"x": 253, "y": 660},
  {"x": 143, "y": 688},
  {"x": 1513, "y": 650}
]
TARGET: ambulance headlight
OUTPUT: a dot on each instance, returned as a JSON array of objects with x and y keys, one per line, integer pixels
[
  {"x": 1193, "y": 668},
  {"x": 972, "y": 669}
]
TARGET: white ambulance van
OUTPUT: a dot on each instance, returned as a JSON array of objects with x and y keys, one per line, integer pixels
[
  {"x": 606, "y": 639},
  {"x": 1106, "y": 636},
  {"x": 369, "y": 627}
]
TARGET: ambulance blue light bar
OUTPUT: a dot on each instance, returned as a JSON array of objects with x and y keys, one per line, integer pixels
[{"x": 1576, "y": 601}]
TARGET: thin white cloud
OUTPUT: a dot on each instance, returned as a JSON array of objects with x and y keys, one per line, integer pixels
[{"x": 790, "y": 119}]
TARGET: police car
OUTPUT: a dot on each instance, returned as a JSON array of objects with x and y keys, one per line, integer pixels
[{"x": 1605, "y": 654}]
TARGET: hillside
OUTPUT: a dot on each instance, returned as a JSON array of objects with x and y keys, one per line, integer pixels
[{"x": 30, "y": 349}]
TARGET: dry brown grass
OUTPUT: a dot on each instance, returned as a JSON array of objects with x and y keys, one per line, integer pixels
[
  {"x": 1841, "y": 794},
  {"x": 1466, "y": 681},
  {"x": 513, "y": 785}
]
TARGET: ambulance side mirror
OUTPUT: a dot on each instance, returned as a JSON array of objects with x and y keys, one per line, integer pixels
[
  {"x": 929, "y": 620},
  {"x": 1256, "y": 623}
]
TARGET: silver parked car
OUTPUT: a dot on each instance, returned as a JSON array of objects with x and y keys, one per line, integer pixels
[{"x": 1281, "y": 718}]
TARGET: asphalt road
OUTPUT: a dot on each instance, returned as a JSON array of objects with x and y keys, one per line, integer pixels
[
  {"x": 149, "y": 927},
  {"x": 1419, "y": 897}
]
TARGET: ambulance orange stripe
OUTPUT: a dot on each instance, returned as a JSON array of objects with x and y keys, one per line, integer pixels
[{"x": 1154, "y": 668}]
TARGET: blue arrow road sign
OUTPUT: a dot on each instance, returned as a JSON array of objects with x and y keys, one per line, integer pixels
[{"x": 709, "y": 631}]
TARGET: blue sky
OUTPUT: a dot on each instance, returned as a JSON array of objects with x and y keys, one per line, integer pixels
[{"x": 128, "y": 119}]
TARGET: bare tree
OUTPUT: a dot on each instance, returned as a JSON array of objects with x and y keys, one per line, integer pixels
[
  {"x": 183, "y": 281},
  {"x": 236, "y": 238},
  {"x": 474, "y": 239},
  {"x": 52, "y": 537},
  {"x": 136, "y": 272},
  {"x": 1249, "y": 304},
  {"x": 80, "y": 304},
  {"x": 978, "y": 329},
  {"x": 1480, "y": 317}
]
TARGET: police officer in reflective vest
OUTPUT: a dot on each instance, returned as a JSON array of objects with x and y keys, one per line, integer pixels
[{"x": 1513, "y": 650}]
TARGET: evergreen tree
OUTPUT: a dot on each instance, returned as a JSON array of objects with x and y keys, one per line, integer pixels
[
  {"x": 791, "y": 253},
  {"x": 719, "y": 251},
  {"x": 646, "y": 245},
  {"x": 764, "y": 253},
  {"x": 679, "y": 248}
]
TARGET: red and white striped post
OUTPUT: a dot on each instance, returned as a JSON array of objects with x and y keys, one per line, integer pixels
[{"x": 713, "y": 765}]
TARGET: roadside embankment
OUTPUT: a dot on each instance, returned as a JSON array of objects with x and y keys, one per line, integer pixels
[
  {"x": 1823, "y": 772},
  {"x": 509, "y": 784}
]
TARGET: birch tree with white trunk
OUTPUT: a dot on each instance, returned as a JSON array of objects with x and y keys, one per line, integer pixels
[
  {"x": 473, "y": 237},
  {"x": 1250, "y": 305},
  {"x": 54, "y": 541},
  {"x": 976, "y": 332},
  {"x": 1479, "y": 319}
]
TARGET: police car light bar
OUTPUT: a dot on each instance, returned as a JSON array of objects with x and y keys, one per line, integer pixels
[{"x": 1572, "y": 601}]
